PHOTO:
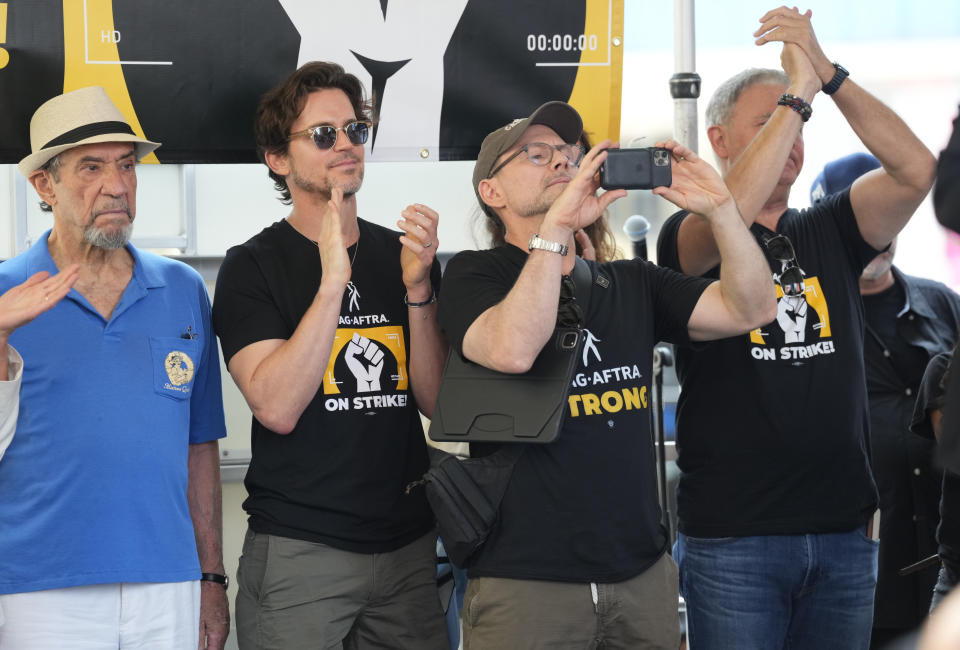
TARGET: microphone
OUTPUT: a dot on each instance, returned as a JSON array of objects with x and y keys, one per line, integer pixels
[{"x": 636, "y": 228}]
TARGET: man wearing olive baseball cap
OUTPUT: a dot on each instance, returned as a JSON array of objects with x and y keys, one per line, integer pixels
[
  {"x": 120, "y": 412},
  {"x": 578, "y": 555}
]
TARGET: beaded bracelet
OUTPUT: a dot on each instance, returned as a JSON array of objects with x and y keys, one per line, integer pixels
[
  {"x": 796, "y": 103},
  {"x": 429, "y": 301}
]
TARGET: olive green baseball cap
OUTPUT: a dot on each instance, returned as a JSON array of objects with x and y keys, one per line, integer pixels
[{"x": 559, "y": 116}]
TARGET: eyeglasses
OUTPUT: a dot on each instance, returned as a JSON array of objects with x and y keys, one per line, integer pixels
[
  {"x": 569, "y": 312},
  {"x": 790, "y": 278},
  {"x": 541, "y": 153},
  {"x": 325, "y": 135}
]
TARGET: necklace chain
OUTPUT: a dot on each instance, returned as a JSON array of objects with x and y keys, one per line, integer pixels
[{"x": 356, "y": 247}]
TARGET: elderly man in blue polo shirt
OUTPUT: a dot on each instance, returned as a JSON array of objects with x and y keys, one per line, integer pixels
[{"x": 110, "y": 532}]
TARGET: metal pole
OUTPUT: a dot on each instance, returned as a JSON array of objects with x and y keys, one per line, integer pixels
[
  {"x": 685, "y": 83},
  {"x": 662, "y": 358},
  {"x": 188, "y": 185},
  {"x": 21, "y": 239}
]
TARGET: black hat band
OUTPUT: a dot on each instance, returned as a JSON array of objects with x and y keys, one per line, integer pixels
[{"x": 88, "y": 131}]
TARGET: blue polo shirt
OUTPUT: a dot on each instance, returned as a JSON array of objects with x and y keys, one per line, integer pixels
[{"x": 93, "y": 488}]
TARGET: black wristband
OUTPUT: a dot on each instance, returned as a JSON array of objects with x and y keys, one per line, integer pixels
[
  {"x": 841, "y": 73},
  {"x": 219, "y": 578},
  {"x": 798, "y": 104},
  {"x": 432, "y": 299}
]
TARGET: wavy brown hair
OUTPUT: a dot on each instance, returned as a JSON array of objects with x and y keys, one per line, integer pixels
[{"x": 279, "y": 108}]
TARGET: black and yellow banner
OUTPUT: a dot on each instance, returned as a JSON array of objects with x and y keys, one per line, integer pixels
[{"x": 444, "y": 73}]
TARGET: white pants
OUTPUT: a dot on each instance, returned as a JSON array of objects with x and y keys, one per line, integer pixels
[{"x": 144, "y": 616}]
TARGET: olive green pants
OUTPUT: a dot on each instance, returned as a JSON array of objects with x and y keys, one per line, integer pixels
[
  {"x": 636, "y": 614},
  {"x": 294, "y": 594}
]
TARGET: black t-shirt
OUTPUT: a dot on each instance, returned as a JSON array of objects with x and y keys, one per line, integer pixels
[
  {"x": 338, "y": 478},
  {"x": 772, "y": 425},
  {"x": 584, "y": 508}
]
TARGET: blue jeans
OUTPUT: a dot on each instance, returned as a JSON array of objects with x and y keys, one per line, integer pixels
[{"x": 778, "y": 591}]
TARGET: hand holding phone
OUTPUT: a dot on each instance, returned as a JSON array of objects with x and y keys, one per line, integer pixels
[{"x": 636, "y": 169}]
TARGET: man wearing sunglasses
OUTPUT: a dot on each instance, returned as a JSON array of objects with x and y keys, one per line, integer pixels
[
  {"x": 328, "y": 324},
  {"x": 776, "y": 489},
  {"x": 578, "y": 554}
]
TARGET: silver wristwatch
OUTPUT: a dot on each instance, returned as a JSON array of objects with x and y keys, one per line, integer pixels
[{"x": 542, "y": 244}]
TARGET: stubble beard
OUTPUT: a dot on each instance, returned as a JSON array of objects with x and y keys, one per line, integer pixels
[
  {"x": 541, "y": 203},
  {"x": 350, "y": 186}
]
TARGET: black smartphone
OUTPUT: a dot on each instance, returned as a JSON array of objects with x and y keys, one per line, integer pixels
[{"x": 636, "y": 169}]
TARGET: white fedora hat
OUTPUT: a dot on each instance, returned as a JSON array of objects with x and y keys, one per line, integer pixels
[{"x": 83, "y": 116}]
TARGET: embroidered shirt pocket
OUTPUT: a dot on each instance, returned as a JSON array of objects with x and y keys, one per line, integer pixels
[{"x": 174, "y": 362}]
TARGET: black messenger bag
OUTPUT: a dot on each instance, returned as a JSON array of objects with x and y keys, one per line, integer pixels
[{"x": 465, "y": 495}]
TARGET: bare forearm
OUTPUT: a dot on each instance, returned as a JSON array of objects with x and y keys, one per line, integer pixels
[
  {"x": 428, "y": 352},
  {"x": 884, "y": 201},
  {"x": 205, "y": 501},
  {"x": 509, "y": 336},
  {"x": 744, "y": 298},
  {"x": 206, "y": 510},
  {"x": 745, "y": 279},
  {"x": 753, "y": 179},
  {"x": 904, "y": 157},
  {"x": 284, "y": 382}
]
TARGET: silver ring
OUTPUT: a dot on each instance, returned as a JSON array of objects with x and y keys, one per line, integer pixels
[{"x": 428, "y": 244}]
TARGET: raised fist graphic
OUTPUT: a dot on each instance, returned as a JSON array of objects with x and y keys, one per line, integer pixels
[
  {"x": 365, "y": 360},
  {"x": 792, "y": 318}
]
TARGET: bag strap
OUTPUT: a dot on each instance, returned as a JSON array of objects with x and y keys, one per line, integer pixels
[
  {"x": 583, "y": 279},
  {"x": 509, "y": 452}
]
